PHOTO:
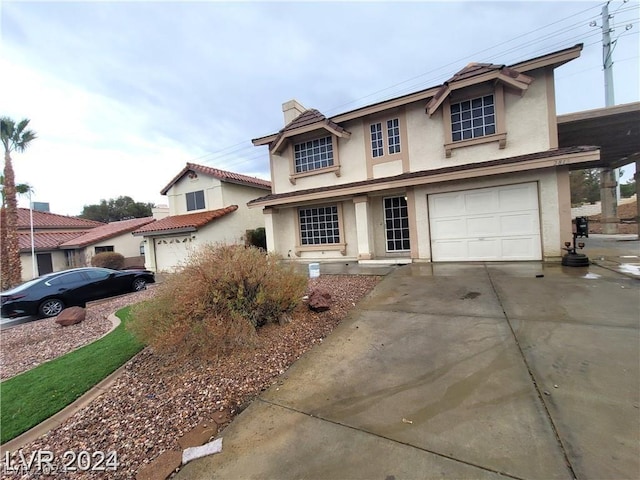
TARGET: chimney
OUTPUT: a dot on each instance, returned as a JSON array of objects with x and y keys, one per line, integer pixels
[{"x": 291, "y": 109}]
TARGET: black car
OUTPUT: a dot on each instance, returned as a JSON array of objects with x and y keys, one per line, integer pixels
[{"x": 49, "y": 294}]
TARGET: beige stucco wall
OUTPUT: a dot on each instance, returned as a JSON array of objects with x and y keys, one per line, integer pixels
[
  {"x": 125, "y": 244},
  {"x": 58, "y": 261},
  {"x": 552, "y": 232},
  {"x": 212, "y": 188},
  {"x": 527, "y": 125}
]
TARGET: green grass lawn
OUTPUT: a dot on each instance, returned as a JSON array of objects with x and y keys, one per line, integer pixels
[{"x": 35, "y": 395}]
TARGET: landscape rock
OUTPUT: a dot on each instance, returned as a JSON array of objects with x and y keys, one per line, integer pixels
[
  {"x": 319, "y": 299},
  {"x": 71, "y": 316},
  {"x": 160, "y": 468}
]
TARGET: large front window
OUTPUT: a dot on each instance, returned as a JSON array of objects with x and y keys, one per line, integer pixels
[
  {"x": 195, "y": 200},
  {"x": 313, "y": 155},
  {"x": 319, "y": 225},
  {"x": 473, "y": 118},
  {"x": 396, "y": 220}
]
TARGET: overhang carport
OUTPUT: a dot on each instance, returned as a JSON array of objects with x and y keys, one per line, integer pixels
[{"x": 616, "y": 130}]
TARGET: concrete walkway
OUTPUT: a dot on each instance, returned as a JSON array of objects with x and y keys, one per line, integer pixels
[{"x": 516, "y": 370}]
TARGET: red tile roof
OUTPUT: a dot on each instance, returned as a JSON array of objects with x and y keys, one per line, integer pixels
[
  {"x": 222, "y": 175},
  {"x": 43, "y": 220},
  {"x": 188, "y": 222},
  {"x": 45, "y": 240},
  {"x": 109, "y": 230}
]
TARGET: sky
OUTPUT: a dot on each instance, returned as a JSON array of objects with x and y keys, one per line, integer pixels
[{"x": 123, "y": 94}]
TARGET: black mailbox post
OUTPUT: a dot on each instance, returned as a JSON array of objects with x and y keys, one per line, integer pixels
[
  {"x": 573, "y": 258},
  {"x": 582, "y": 227}
]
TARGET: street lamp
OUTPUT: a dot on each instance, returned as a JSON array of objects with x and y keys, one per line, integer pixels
[{"x": 33, "y": 247}]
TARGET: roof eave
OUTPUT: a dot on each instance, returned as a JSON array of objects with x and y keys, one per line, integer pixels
[
  {"x": 169, "y": 231},
  {"x": 579, "y": 158}
]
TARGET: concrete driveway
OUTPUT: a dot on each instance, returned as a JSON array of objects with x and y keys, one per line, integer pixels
[{"x": 517, "y": 370}]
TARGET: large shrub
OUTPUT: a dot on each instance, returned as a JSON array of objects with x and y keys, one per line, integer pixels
[
  {"x": 113, "y": 260},
  {"x": 216, "y": 302}
]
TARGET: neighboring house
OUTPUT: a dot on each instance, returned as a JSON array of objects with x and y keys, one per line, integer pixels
[
  {"x": 206, "y": 205},
  {"x": 49, "y": 232},
  {"x": 465, "y": 171},
  {"x": 112, "y": 237}
]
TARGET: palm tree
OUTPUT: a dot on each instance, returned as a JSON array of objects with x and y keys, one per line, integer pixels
[{"x": 15, "y": 138}]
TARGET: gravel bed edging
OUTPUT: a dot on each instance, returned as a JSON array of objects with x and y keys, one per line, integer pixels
[{"x": 57, "y": 419}]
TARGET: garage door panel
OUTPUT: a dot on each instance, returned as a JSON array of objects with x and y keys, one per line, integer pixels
[
  {"x": 516, "y": 248},
  {"x": 481, "y": 226},
  {"x": 451, "y": 251},
  {"x": 499, "y": 223},
  {"x": 449, "y": 204},
  {"x": 520, "y": 224},
  {"x": 449, "y": 228},
  {"x": 479, "y": 203},
  {"x": 483, "y": 249}
]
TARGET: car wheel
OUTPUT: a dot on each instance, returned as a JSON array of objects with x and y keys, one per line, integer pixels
[
  {"x": 51, "y": 307},
  {"x": 139, "y": 284}
]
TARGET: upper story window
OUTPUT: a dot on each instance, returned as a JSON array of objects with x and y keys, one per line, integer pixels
[
  {"x": 313, "y": 155},
  {"x": 392, "y": 131},
  {"x": 473, "y": 118},
  {"x": 393, "y": 135},
  {"x": 195, "y": 200}
]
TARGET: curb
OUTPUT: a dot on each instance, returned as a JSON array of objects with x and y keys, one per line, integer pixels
[{"x": 57, "y": 419}]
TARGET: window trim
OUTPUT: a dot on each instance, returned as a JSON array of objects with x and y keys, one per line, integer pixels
[
  {"x": 386, "y": 157},
  {"x": 195, "y": 203},
  {"x": 469, "y": 94},
  {"x": 386, "y": 230},
  {"x": 290, "y": 152},
  {"x": 341, "y": 247}
]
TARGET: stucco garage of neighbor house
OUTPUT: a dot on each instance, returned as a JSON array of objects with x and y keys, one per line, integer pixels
[{"x": 206, "y": 206}]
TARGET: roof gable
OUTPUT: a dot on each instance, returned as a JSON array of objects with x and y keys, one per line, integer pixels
[
  {"x": 476, "y": 73},
  {"x": 222, "y": 175},
  {"x": 308, "y": 121}
]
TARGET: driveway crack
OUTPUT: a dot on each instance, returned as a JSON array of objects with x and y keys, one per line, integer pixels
[{"x": 533, "y": 378}]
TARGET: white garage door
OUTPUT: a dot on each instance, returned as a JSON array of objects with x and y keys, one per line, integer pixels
[
  {"x": 172, "y": 252},
  {"x": 500, "y": 223}
]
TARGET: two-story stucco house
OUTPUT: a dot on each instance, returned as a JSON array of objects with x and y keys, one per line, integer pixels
[
  {"x": 206, "y": 205},
  {"x": 469, "y": 170}
]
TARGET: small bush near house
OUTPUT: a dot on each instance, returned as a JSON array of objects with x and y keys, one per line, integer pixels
[
  {"x": 257, "y": 238},
  {"x": 216, "y": 302},
  {"x": 113, "y": 260}
]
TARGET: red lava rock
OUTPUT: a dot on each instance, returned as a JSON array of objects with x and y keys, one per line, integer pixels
[
  {"x": 163, "y": 466},
  {"x": 319, "y": 299},
  {"x": 71, "y": 316},
  {"x": 200, "y": 435}
]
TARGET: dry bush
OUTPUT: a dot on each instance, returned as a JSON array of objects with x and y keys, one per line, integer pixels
[
  {"x": 112, "y": 260},
  {"x": 216, "y": 302}
]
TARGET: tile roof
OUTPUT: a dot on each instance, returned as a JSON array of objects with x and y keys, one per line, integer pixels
[
  {"x": 222, "y": 175},
  {"x": 186, "y": 222},
  {"x": 52, "y": 220},
  {"x": 310, "y": 116},
  {"x": 45, "y": 240},
  {"x": 109, "y": 230},
  {"x": 429, "y": 173}
]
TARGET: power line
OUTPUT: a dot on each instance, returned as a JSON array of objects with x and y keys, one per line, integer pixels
[{"x": 243, "y": 146}]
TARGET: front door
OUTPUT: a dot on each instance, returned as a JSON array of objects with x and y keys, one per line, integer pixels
[{"x": 44, "y": 263}]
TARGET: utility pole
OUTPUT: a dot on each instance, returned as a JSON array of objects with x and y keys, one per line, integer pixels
[{"x": 608, "y": 176}]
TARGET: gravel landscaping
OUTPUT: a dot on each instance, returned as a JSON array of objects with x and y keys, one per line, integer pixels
[{"x": 160, "y": 398}]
